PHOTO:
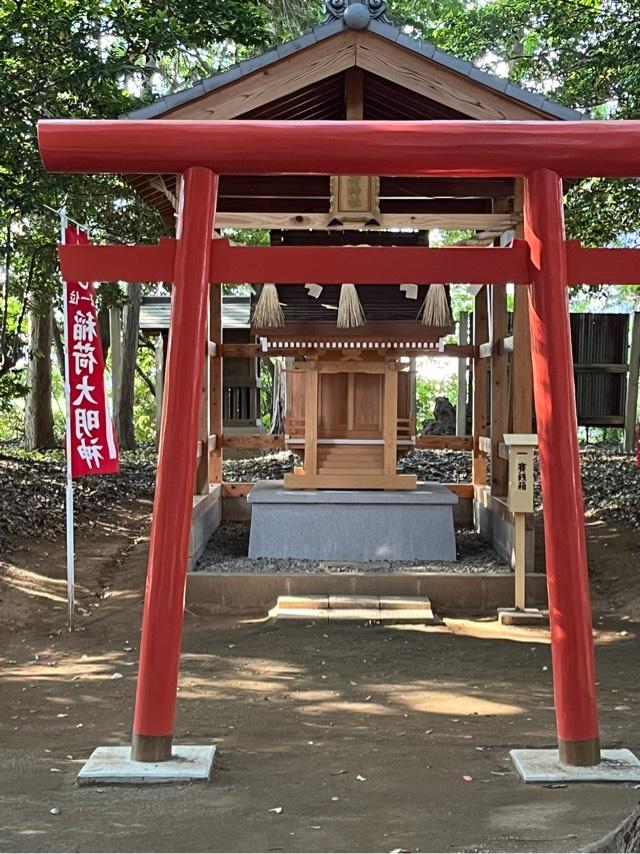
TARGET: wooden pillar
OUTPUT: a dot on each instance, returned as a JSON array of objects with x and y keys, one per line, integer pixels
[
  {"x": 390, "y": 420},
  {"x": 354, "y": 94},
  {"x": 413, "y": 402},
  {"x": 202, "y": 469},
  {"x": 521, "y": 376},
  {"x": 572, "y": 650},
  {"x": 631, "y": 409},
  {"x": 163, "y": 613},
  {"x": 215, "y": 383},
  {"x": 461, "y": 407},
  {"x": 310, "y": 421},
  {"x": 499, "y": 389},
  {"x": 480, "y": 385}
]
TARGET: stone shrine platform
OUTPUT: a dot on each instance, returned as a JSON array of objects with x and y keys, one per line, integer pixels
[{"x": 352, "y": 525}]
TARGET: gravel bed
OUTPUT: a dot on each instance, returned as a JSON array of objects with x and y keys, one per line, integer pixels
[
  {"x": 226, "y": 552},
  {"x": 443, "y": 466}
]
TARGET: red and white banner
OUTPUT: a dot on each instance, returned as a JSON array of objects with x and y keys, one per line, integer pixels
[{"x": 93, "y": 442}]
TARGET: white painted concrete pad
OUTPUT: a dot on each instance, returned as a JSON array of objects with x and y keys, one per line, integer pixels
[
  {"x": 113, "y": 765},
  {"x": 543, "y": 766}
]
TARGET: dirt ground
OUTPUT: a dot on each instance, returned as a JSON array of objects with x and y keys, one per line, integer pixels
[{"x": 368, "y": 739}]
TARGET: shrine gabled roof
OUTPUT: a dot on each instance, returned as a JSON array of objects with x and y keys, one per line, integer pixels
[{"x": 427, "y": 50}]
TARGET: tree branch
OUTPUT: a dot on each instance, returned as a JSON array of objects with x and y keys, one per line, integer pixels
[{"x": 147, "y": 380}]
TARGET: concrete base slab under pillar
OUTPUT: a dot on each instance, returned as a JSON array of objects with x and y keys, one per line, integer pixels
[
  {"x": 114, "y": 766},
  {"x": 543, "y": 766}
]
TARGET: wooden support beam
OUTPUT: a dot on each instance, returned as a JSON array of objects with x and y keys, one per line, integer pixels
[
  {"x": 451, "y": 443},
  {"x": 521, "y": 374},
  {"x": 631, "y": 409},
  {"x": 236, "y": 490},
  {"x": 597, "y": 367},
  {"x": 499, "y": 389},
  {"x": 311, "y": 423},
  {"x": 484, "y": 445},
  {"x": 462, "y": 490},
  {"x": 215, "y": 382},
  {"x": 354, "y": 94},
  {"x": 346, "y": 367},
  {"x": 349, "y": 481},
  {"x": 314, "y": 348},
  {"x": 390, "y": 421},
  {"x": 313, "y": 206},
  {"x": 264, "y": 441},
  {"x": 499, "y": 347},
  {"x": 317, "y": 186},
  {"x": 461, "y": 408},
  {"x": 480, "y": 387},
  {"x": 296, "y": 220}
]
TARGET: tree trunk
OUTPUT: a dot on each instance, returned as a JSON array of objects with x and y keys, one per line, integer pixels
[
  {"x": 59, "y": 345},
  {"x": 124, "y": 409},
  {"x": 626, "y": 837},
  {"x": 38, "y": 415}
]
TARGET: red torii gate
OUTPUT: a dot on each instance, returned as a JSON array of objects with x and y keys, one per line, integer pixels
[{"x": 541, "y": 152}]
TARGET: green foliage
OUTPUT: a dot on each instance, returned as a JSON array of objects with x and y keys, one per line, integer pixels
[
  {"x": 90, "y": 59},
  {"x": 461, "y": 299},
  {"x": 266, "y": 393},
  {"x": 144, "y": 407},
  {"x": 290, "y": 18},
  {"x": 581, "y": 53}
]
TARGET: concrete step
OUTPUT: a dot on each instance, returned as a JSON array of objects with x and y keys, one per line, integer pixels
[{"x": 371, "y": 609}]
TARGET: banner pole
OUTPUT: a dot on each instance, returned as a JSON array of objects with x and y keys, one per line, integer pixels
[{"x": 69, "y": 486}]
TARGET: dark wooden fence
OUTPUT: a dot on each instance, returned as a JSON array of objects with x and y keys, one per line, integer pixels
[{"x": 600, "y": 350}]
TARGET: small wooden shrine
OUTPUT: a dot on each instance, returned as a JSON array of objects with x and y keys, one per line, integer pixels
[{"x": 350, "y": 418}]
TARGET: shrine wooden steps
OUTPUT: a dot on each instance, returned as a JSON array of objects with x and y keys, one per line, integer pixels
[
  {"x": 348, "y": 609},
  {"x": 350, "y": 459}
]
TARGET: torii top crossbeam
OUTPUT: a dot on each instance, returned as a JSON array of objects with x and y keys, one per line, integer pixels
[{"x": 404, "y": 148}]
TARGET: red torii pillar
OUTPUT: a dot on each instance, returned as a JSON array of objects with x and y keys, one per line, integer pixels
[
  {"x": 566, "y": 549},
  {"x": 167, "y": 569}
]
